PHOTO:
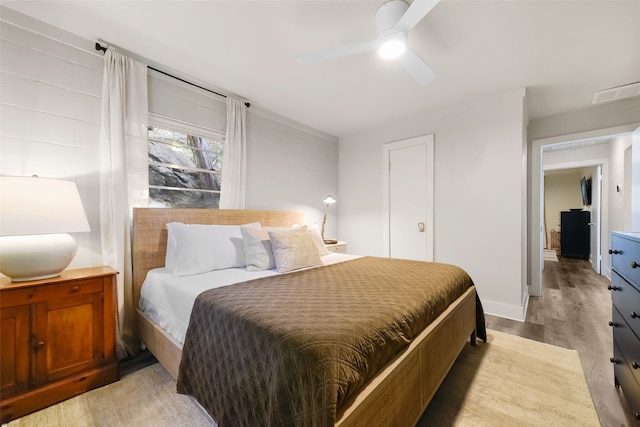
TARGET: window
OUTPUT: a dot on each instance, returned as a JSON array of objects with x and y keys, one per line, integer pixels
[{"x": 185, "y": 165}]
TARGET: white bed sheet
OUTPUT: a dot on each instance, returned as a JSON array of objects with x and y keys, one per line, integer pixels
[{"x": 168, "y": 300}]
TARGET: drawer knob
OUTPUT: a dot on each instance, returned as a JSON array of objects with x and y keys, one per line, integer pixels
[
  {"x": 612, "y": 360},
  {"x": 635, "y": 365},
  {"x": 637, "y": 415},
  {"x": 633, "y": 315},
  {"x": 614, "y": 252},
  {"x": 614, "y": 324},
  {"x": 38, "y": 345},
  {"x": 634, "y": 264},
  {"x": 75, "y": 288},
  {"x": 613, "y": 288}
]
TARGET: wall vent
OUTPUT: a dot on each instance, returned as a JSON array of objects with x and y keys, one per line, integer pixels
[{"x": 616, "y": 93}]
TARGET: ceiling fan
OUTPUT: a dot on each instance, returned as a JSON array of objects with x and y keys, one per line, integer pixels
[{"x": 394, "y": 20}]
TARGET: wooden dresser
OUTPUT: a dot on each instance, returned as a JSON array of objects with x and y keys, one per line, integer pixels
[
  {"x": 57, "y": 339},
  {"x": 625, "y": 296}
]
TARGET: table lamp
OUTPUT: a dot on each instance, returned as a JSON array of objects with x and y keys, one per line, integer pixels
[
  {"x": 328, "y": 200},
  {"x": 35, "y": 216}
]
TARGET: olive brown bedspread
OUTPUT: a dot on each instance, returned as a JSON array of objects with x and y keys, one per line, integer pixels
[{"x": 288, "y": 350}]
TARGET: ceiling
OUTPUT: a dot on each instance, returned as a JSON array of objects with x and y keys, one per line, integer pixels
[{"x": 561, "y": 51}]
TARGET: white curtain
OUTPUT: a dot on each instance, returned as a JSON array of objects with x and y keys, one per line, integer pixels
[
  {"x": 233, "y": 190},
  {"x": 124, "y": 176}
]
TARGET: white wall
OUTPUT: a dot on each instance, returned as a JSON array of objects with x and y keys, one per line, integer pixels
[
  {"x": 479, "y": 200},
  {"x": 51, "y": 84},
  {"x": 590, "y": 118},
  {"x": 634, "y": 202},
  {"x": 291, "y": 167},
  {"x": 50, "y": 111},
  {"x": 561, "y": 193},
  {"x": 617, "y": 188}
]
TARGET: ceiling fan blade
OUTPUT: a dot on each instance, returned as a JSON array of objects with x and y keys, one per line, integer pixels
[
  {"x": 413, "y": 15},
  {"x": 419, "y": 69},
  {"x": 337, "y": 52}
]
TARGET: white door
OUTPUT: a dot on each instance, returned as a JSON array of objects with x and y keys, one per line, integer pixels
[
  {"x": 409, "y": 201},
  {"x": 596, "y": 188}
]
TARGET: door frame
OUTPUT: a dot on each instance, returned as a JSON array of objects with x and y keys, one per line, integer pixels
[
  {"x": 428, "y": 141},
  {"x": 596, "y": 227},
  {"x": 536, "y": 193}
]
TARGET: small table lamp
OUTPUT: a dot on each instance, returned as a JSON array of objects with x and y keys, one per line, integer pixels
[
  {"x": 35, "y": 215},
  {"x": 329, "y": 200}
]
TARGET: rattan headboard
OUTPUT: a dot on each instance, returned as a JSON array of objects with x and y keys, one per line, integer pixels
[{"x": 150, "y": 232}]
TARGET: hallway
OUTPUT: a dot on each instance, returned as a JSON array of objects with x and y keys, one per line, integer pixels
[{"x": 574, "y": 312}]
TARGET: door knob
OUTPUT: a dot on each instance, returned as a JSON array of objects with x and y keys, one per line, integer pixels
[{"x": 421, "y": 227}]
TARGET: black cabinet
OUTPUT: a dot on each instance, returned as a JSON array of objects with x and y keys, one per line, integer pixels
[{"x": 575, "y": 234}]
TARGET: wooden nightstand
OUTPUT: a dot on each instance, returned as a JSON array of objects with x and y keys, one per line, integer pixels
[
  {"x": 58, "y": 338},
  {"x": 340, "y": 247}
]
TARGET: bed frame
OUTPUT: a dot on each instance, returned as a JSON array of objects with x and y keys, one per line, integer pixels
[{"x": 397, "y": 396}]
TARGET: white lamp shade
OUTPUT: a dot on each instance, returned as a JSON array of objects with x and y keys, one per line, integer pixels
[
  {"x": 32, "y": 205},
  {"x": 329, "y": 199},
  {"x": 35, "y": 215}
]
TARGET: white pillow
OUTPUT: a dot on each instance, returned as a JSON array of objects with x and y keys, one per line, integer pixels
[
  {"x": 170, "y": 254},
  {"x": 317, "y": 239},
  {"x": 294, "y": 249},
  {"x": 201, "y": 248},
  {"x": 258, "y": 252},
  {"x": 280, "y": 228}
]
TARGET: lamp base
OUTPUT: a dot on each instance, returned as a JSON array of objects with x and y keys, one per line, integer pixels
[{"x": 35, "y": 257}]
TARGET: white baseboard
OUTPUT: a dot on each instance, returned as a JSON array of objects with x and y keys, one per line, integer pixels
[{"x": 507, "y": 311}]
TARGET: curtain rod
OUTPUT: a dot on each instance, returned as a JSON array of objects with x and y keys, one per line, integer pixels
[{"x": 104, "y": 49}]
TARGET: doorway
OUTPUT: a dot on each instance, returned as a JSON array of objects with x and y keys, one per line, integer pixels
[
  {"x": 571, "y": 187},
  {"x": 408, "y": 198},
  {"x": 536, "y": 230}
]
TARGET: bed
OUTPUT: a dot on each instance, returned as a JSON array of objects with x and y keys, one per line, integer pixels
[{"x": 396, "y": 394}]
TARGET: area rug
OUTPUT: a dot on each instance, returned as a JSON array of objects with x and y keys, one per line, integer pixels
[
  {"x": 513, "y": 381},
  {"x": 508, "y": 381},
  {"x": 143, "y": 398},
  {"x": 550, "y": 255}
]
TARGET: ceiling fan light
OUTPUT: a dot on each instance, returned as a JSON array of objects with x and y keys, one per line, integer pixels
[{"x": 392, "y": 46}]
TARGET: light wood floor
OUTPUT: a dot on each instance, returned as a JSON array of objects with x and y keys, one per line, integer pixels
[{"x": 574, "y": 312}]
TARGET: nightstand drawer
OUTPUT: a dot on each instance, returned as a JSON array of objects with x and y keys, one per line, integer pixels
[
  {"x": 29, "y": 295},
  {"x": 627, "y": 300},
  {"x": 339, "y": 248},
  {"x": 625, "y": 258}
]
